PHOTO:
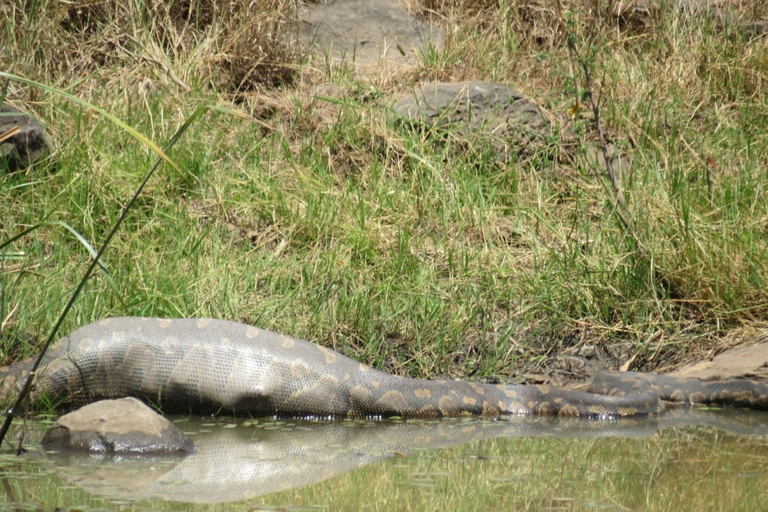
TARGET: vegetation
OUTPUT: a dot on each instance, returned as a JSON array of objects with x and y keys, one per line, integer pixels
[{"x": 322, "y": 216}]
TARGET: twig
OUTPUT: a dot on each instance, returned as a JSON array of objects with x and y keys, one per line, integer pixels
[
  {"x": 168, "y": 71},
  {"x": 619, "y": 201},
  {"x": 10, "y": 133},
  {"x": 598, "y": 125}
]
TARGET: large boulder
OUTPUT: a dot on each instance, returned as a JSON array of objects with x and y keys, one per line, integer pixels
[
  {"x": 22, "y": 139},
  {"x": 514, "y": 123},
  {"x": 366, "y": 31},
  {"x": 124, "y": 426}
]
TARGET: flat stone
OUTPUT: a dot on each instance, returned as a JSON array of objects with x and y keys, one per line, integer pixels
[
  {"x": 514, "y": 122},
  {"x": 366, "y": 31},
  {"x": 22, "y": 139},
  {"x": 750, "y": 362},
  {"x": 124, "y": 426}
]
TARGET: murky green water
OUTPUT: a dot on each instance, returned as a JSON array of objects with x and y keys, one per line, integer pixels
[{"x": 686, "y": 460}]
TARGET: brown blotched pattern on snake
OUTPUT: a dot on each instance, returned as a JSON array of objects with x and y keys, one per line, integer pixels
[{"x": 213, "y": 366}]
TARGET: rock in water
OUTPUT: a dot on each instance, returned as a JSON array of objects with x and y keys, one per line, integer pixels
[{"x": 124, "y": 426}]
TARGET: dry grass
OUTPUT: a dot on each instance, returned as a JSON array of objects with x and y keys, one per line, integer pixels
[
  {"x": 231, "y": 45},
  {"x": 329, "y": 221}
]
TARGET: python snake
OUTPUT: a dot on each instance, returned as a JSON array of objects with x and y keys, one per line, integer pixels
[{"x": 207, "y": 366}]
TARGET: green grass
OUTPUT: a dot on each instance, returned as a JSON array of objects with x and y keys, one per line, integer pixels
[{"x": 333, "y": 221}]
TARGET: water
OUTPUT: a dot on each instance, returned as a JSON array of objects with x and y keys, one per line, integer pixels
[{"x": 685, "y": 460}]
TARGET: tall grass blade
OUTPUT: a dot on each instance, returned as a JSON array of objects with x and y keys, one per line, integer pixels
[{"x": 162, "y": 156}]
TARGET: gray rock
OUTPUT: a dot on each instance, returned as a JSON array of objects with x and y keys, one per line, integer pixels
[
  {"x": 588, "y": 351},
  {"x": 22, "y": 139},
  {"x": 514, "y": 122},
  {"x": 366, "y": 30},
  {"x": 124, "y": 426}
]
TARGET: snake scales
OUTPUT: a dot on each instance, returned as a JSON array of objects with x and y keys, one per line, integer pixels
[{"x": 208, "y": 366}]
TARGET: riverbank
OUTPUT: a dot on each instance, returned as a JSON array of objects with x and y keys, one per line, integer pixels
[{"x": 321, "y": 215}]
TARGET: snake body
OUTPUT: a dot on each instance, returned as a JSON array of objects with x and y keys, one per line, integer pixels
[{"x": 214, "y": 366}]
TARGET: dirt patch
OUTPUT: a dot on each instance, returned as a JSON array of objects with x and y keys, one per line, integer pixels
[
  {"x": 740, "y": 355},
  {"x": 577, "y": 365},
  {"x": 749, "y": 362}
]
